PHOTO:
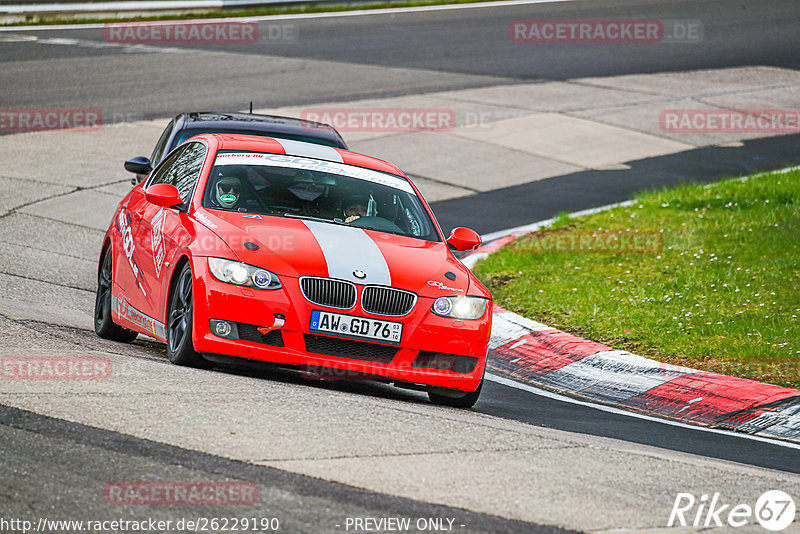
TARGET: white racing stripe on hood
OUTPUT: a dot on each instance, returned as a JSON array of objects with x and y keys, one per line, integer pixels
[
  {"x": 310, "y": 150},
  {"x": 347, "y": 249}
]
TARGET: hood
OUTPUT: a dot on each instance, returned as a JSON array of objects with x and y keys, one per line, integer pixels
[{"x": 299, "y": 247}]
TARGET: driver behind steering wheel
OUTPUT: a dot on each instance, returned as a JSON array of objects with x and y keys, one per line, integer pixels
[{"x": 354, "y": 208}]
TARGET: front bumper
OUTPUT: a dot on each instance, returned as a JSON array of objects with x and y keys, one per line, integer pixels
[{"x": 423, "y": 331}]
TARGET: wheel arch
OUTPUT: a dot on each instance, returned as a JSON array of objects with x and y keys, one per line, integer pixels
[
  {"x": 183, "y": 260},
  {"x": 103, "y": 251}
]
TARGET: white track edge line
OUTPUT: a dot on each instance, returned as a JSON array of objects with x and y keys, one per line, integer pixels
[
  {"x": 591, "y": 211},
  {"x": 619, "y": 411},
  {"x": 547, "y": 222}
]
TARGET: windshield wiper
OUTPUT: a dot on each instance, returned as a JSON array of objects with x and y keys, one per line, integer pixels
[{"x": 318, "y": 219}]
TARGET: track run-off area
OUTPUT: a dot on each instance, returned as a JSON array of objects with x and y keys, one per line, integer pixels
[{"x": 538, "y": 129}]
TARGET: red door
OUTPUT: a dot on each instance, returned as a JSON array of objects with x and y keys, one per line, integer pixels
[{"x": 131, "y": 290}]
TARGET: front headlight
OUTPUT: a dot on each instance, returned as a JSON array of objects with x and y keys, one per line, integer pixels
[
  {"x": 242, "y": 274},
  {"x": 459, "y": 307}
]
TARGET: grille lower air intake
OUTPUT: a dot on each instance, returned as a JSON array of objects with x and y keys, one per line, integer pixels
[
  {"x": 329, "y": 292},
  {"x": 382, "y": 300},
  {"x": 348, "y": 348},
  {"x": 249, "y": 332},
  {"x": 445, "y": 362}
]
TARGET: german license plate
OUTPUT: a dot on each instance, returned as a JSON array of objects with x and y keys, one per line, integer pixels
[{"x": 356, "y": 327}]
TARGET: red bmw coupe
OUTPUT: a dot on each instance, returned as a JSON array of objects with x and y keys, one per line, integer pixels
[{"x": 297, "y": 254}]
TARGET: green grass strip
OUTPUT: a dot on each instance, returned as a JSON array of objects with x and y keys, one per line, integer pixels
[{"x": 722, "y": 293}]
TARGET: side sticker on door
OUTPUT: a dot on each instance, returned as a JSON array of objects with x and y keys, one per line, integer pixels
[
  {"x": 123, "y": 224},
  {"x": 157, "y": 239}
]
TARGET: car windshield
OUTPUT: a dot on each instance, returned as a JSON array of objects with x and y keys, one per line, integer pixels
[
  {"x": 191, "y": 132},
  {"x": 336, "y": 193}
]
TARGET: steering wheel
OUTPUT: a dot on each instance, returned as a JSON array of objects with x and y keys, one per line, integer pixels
[{"x": 377, "y": 223}]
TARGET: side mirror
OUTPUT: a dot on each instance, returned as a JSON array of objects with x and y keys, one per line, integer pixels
[
  {"x": 463, "y": 239},
  {"x": 139, "y": 165},
  {"x": 164, "y": 195}
]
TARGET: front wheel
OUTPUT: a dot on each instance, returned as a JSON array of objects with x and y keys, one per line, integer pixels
[
  {"x": 180, "y": 349},
  {"x": 455, "y": 401},
  {"x": 104, "y": 326}
]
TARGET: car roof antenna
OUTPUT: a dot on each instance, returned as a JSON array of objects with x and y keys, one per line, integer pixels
[{"x": 251, "y": 107}]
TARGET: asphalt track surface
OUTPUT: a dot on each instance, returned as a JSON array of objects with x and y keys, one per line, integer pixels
[
  {"x": 441, "y": 50},
  {"x": 414, "y": 53},
  {"x": 37, "y": 447}
]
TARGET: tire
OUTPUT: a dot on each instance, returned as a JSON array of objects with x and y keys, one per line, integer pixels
[
  {"x": 104, "y": 326},
  {"x": 180, "y": 349},
  {"x": 465, "y": 401}
]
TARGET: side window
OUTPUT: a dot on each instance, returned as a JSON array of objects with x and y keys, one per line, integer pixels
[
  {"x": 161, "y": 146},
  {"x": 158, "y": 176},
  {"x": 182, "y": 169}
]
